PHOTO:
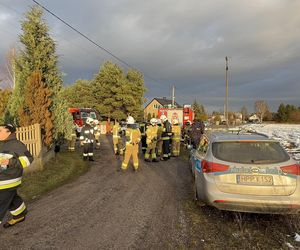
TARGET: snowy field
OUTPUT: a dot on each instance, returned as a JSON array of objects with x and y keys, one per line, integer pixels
[{"x": 287, "y": 134}]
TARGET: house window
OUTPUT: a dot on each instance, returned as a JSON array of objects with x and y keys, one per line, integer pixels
[{"x": 156, "y": 106}]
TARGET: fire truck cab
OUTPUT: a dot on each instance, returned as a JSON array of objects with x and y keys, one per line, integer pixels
[
  {"x": 81, "y": 114},
  {"x": 188, "y": 114}
]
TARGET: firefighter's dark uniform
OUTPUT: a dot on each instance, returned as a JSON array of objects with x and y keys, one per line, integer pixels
[
  {"x": 159, "y": 143},
  {"x": 10, "y": 178},
  {"x": 187, "y": 135},
  {"x": 88, "y": 137},
  {"x": 143, "y": 127},
  {"x": 166, "y": 135}
]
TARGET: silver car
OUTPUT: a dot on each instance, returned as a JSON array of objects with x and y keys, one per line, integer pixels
[{"x": 245, "y": 172}]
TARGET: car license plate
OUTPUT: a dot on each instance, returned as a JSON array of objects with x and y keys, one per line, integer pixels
[{"x": 255, "y": 180}]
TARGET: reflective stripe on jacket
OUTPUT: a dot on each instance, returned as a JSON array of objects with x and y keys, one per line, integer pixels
[{"x": 10, "y": 183}]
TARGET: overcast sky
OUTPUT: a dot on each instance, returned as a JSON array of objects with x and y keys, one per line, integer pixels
[{"x": 180, "y": 42}]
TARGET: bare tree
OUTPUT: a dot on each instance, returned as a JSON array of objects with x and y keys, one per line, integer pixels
[
  {"x": 7, "y": 74},
  {"x": 261, "y": 108},
  {"x": 10, "y": 67},
  {"x": 244, "y": 112}
]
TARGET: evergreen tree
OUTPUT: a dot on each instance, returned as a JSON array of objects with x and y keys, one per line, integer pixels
[
  {"x": 136, "y": 83},
  {"x": 80, "y": 94},
  {"x": 117, "y": 96},
  {"x": 5, "y": 95},
  {"x": 63, "y": 122},
  {"x": 38, "y": 54},
  {"x": 199, "y": 111},
  {"x": 36, "y": 107},
  {"x": 282, "y": 113},
  {"x": 106, "y": 87}
]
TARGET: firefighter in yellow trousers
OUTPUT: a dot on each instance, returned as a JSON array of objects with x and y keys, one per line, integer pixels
[
  {"x": 176, "y": 131},
  {"x": 117, "y": 138},
  {"x": 159, "y": 143},
  {"x": 151, "y": 141},
  {"x": 97, "y": 133},
  {"x": 133, "y": 137}
]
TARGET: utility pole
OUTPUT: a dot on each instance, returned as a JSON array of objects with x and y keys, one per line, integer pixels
[
  {"x": 226, "y": 96},
  {"x": 173, "y": 96}
]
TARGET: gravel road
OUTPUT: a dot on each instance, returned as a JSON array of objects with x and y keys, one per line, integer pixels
[{"x": 107, "y": 209}]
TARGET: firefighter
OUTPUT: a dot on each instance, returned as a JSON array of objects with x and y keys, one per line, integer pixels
[
  {"x": 176, "y": 131},
  {"x": 143, "y": 127},
  {"x": 122, "y": 140},
  {"x": 97, "y": 132},
  {"x": 14, "y": 156},
  {"x": 151, "y": 141},
  {"x": 159, "y": 143},
  {"x": 87, "y": 138},
  {"x": 72, "y": 141},
  {"x": 187, "y": 134},
  {"x": 167, "y": 132},
  {"x": 116, "y": 137},
  {"x": 133, "y": 137}
]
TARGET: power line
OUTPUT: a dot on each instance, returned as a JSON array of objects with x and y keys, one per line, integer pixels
[{"x": 92, "y": 41}]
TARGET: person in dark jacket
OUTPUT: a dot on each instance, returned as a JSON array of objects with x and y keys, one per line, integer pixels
[
  {"x": 197, "y": 131},
  {"x": 87, "y": 138},
  {"x": 14, "y": 156},
  {"x": 166, "y": 135}
]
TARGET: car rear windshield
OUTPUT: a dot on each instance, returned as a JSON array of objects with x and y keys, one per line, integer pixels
[{"x": 250, "y": 152}]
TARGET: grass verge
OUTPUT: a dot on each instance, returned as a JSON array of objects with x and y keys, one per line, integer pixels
[{"x": 65, "y": 167}]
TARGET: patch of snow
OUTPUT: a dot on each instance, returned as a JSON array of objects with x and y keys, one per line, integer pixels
[
  {"x": 297, "y": 237},
  {"x": 287, "y": 134}
]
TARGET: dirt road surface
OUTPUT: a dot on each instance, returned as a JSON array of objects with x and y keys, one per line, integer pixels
[{"x": 107, "y": 209}]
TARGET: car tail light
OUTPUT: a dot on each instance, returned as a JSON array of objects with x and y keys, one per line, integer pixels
[
  {"x": 220, "y": 201},
  {"x": 211, "y": 167},
  {"x": 292, "y": 169}
]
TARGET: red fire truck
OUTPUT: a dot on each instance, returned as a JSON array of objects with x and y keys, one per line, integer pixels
[
  {"x": 183, "y": 115},
  {"x": 188, "y": 114},
  {"x": 81, "y": 114}
]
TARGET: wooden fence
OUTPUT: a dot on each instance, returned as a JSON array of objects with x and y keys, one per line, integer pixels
[{"x": 31, "y": 137}]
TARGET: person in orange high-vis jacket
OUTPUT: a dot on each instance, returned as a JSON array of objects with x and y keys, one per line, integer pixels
[
  {"x": 176, "y": 131},
  {"x": 14, "y": 156},
  {"x": 133, "y": 137}
]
